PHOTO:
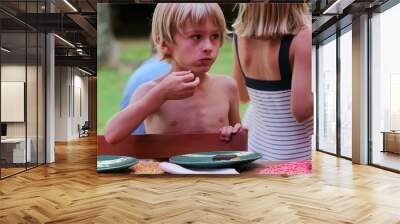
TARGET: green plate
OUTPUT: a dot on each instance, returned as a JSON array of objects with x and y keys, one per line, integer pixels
[
  {"x": 114, "y": 163},
  {"x": 205, "y": 159}
]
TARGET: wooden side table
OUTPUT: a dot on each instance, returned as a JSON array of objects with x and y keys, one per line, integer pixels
[{"x": 391, "y": 141}]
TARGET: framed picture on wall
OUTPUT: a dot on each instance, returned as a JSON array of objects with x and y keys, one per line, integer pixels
[{"x": 12, "y": 101}]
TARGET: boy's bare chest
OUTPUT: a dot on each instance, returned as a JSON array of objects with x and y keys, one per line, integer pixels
[
  {"x": 203, "y": 112},
  {"x": 206, "y": 107}
]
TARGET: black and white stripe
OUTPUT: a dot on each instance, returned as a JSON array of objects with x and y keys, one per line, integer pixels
[{"x": 274, "y": 133}]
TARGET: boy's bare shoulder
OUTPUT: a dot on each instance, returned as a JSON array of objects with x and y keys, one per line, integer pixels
[{"x": 225, "y": 81}]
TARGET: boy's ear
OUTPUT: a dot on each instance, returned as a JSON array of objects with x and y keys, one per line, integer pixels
[{"x": 165, "y": 48}]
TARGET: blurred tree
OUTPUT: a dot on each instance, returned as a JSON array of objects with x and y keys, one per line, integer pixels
[
  {"x": 108, "y": 50},
  {"x": 134, "y": 20}
]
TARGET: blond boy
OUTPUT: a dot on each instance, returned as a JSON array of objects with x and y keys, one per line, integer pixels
[{"x": 188, "y": 99}]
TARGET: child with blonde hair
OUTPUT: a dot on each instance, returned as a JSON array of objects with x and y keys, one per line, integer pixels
[
  {"x": 188, "y": 99},
  {"x": 272, "y": 67}
]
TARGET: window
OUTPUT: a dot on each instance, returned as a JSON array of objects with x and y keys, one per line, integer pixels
[
  {"x": 346, "y": 93},
  {"x": 22, "y": 76},
  {"x": 327, "y": 96},
  {"x": 385, "y": 88}
]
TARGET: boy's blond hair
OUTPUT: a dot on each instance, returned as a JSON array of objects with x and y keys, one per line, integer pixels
[
  {"x": 271, "y": 20},
  {"x": 169, "y": 18}
]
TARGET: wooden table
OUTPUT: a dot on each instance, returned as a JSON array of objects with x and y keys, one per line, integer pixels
[
  {"x": 14, "y": 150},
  {"x": 160, "y": 147},
  {"x": 164, "y": 146}
]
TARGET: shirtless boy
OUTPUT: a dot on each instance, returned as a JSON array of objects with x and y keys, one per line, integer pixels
[{"x": 188, "y": 99}]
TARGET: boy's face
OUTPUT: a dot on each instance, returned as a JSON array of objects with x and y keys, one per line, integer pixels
[{"x": 196, "y": 47}]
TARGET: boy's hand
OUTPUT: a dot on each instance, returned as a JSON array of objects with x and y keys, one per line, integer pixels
[
  {"x": 179, "y": 85},
  {"x": 227, "y": 132}
]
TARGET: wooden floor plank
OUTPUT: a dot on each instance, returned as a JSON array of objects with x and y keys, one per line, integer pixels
[{"x": 70, "y": 191}]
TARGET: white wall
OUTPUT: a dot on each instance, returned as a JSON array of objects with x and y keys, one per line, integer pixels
[
  {"x": 80, "y": 84},
  {"x": 61, "y": 103},
  {"x": 12, "y": 100},
  {"x": 70, "y": 83},
  {"x": 16, "y": 73}
]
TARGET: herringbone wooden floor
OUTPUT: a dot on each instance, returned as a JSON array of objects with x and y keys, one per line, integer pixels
[{"x": 70, "y": 191}]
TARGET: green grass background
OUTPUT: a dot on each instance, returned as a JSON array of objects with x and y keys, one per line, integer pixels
[{"x": 111, "y": 81}]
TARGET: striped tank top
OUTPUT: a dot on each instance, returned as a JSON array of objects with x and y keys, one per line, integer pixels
[{"x": 274, "y": 132}]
